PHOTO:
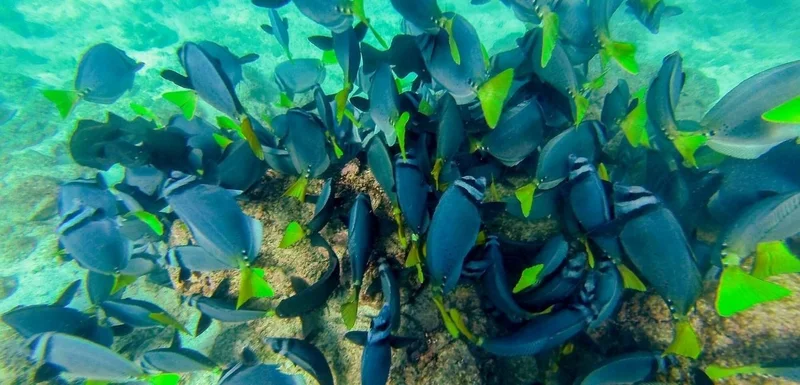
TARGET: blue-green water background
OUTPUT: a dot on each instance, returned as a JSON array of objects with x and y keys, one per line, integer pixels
[{"x": 722, "y": 43}]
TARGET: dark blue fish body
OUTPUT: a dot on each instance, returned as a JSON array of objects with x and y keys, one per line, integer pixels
[
  {"x": 279, "y": 160},
  {"x": 323, "y": 209},
  {"x": 412, "y": 191},
  {"x": 583, "y": 141},
  {"x": 95, "y": 241},
  {"x": 347, "y": 47},
  {"x": 381, "y": 165},
  {"x": 541, "y": 334},
  {"x": 298, "y": 76},
  {"x": 652, "y": 17},
  {"x": 424, "y": 14},
  {"x": 85, "y": 193},
  {"x": 524, "y": 10},
  {"x": 331, "y": 14},
  {"x": 196, "y": 258},
  {"x": 240, "y": 169},
  {"x": 207, "y": 77},
  {"x": 557, "y": 288},
  {"x": 663, "y": 97},
  {"x": 132, "y": 312},
  {"x": 391, "y": 293},
  {"x": 655, "y": 244},
  {"x": 199, "y": 135},
  {"x": 587, "y": 196},
  {"x": 605, "y": 292},
  {"x": 176, "y": 359},
  {"x": 230, "y": 64},
  {"x": 81, "y": 358},
  {"x": 453, "y": 230},
  {"x": 223, "y": 311},
  {"x": 360, "y": 236},
  {"x": 376, "y": 360},
  {"x": 99, "y": 287},
  {"x": 270, "y": 3},
  {"x": 278, "y": 27},
  {"x": 451, "y": 134},
  {"x": 384, "y": 100},
  {"x": 105, "y": 73},
  {"x": 102, "y": 144},
  {"x": 305, "y": 141},
  {"x": 314, "y": 296},
  {"x": 632, "y": 368},
  {"x": 215, "y": 220},
  {"x": 255, "y": 373},
  {"x": 304, "y": 355},
  {"x": 145, "y": 180},
  {"x": 496, "y": 284},
  {"x": 517, "y": 135},
  {"x": 616, "y": 104}
]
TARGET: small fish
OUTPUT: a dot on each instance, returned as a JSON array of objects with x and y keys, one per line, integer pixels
[
  {"x": 147, "y": 180},
  {"x": 450, "y": 134},
  {"x": 95, "y": 241},
  {"x": 305, "y": 140},
  {"x": 384, "y": 108},
  {"x": 176, "y": 359},
  {"x": 100, "y": 145},
  {"x": 230, "y": 63},
  {"x": 382, "y": 167},
  {"x": 239, "y": 168},
  {"x": 391, "y": 292},
  {"x": 346, "y": 46},
  {"x": 616, "y": 104},
  {"x": 217, "y": 309},
  {"x": 298, "y": 76},
  {"x": 99, "y": 287},
  {"x": 278, "y": 27},
  {"x": 376, "y": 360},
  {"x": 304, "y": 355},
  {"x": 361, "y": 235},
  {"x": 139, "y": 314},
  {"x": 583, "y": 141},
  {"x": 453, "y": 230},
  {"x": 518, "y": 133},
  {"x": 412, "y": 191},
  {"x": 662, "y": 100},
  {"x": 105, "y": 73},
  {"x": 651, "y": 12},
  {"x": 57, "y": 352},
  {"x": 623, "y": 53},
  {"x": 559, "y": 287},
  {"x": 631, "y": 368},
  {"x": 314, "y": 296},
  {"x": 334, "y": 15},
  {"x": 495, "y": 281},
  {"x": 249, "y": 371},
  {"x": 587, "y": 195}
]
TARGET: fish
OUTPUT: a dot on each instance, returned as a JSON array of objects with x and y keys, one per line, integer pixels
[
  {"x": 105, "y": 73},
  {"x": 99, "y": 287},
  {"x": 220, "y": 310},
  {"x": 495, "y": 281},
  {"x": 587, "y": 195},
  {"x": 304, "y": 138},
  {"x": 453, "y": 231},
  {"x": 466, "y": 79},
  {"x": 651, "y": 12},
  {"x": 558, "y": 287},
  {"x": 656, "y": 255},
  {"x": 334, "y": 15},
  {"x": 230, "y": 63},
  {"x": 278, "y": 27},
  {"x": 450, "y": 134},
  {"x": 239, "y": 168},
  {"x": 100, "y": 145},
  {"x": 382, "y": 167},
  {"x": 297, "y": 76},
  {"x": 425, "y": 15},
  {"x": 376, "y": 360},
  {"x": 412, "y": 191},
  {"x": 384, "y": 108},
  {"x": 85, "y": 193},
  {"x": 662, "y": 100},
  {"x": 249, "y": 370},
  {"x": 58, "y": 352},
  {"x": 304, "y": 355},
  {"x": 623, "y": 53},
  {"x": 616, "y": 104},
  {"x": 391, "y": 292},
  {"x": 761, "y": 229},
  {"x": 608, "y": 290},
  {"x": 517, "y": 135},
  {"x": 360, "y": 238},
  {"x": 176, "y": 359},
  {"x": 314, "y": 296},
  {"x": 95, "y": 241},
  {"x": 139, "y": 314},
  {"x": 270, "y": 3},
  {"x": 630, "y": 368},
  {"x": 347, "y": 47}
]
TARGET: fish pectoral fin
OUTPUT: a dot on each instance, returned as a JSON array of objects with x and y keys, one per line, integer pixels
[
  {"x": 150, "y": 220},
  {"x": 629, "y": 279},
  {"x": 492, "y": 96},
  {"x": 268, "y": 29},
  {"x": 349, "y": 310},
  {"x": 185, "y": 100},
  {"x": 525, "y": 195},
  {"x": 716, "y": 372},
  {"x": 294, "y": 233},
  {"x": 177, "y": 79},
  {"x": 400, "y": 130},
  {"x": 529, "y": 278},
  {"x": 550, "y": 26},
  {"x": 249, "y": 58},
  {"x": 786, "y": 113},
  {"x": 298, "y": 189},
  {"x": 46, "y": 372},
  {"x": 624, "y": 54},
  {"x": 774, "y": 258},
  {"x": 685, "y": 341},
  {"x": 739, "y": 291},
  {"x": 65, "y": 101},
  {"x": 202, "y": 324},
  {"x": 163, "y": 379}
]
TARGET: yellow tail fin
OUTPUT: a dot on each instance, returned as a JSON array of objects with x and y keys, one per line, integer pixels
[
  {"x": 492, "y": 96},
  {"x": 525, "y": 196},
  {"x": 65, "y": 101},
  {"x": 685, "y": 342},
  {"x": 774, "y": 258},
  {"x": 739, "y": 291}
]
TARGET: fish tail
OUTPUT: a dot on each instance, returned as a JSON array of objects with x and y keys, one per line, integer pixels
[
  {"x": 298, "y": 189},
  {"x": 624, "y": 54},
  {"x": 349, "y": 309},
  {"x": 414, "y": 259},
  {"x": 341, "y": 102},
  {"x": 121, "y": 281},
  {"x": 400, "y": 130},
  {"x": 716, "y": 372},
  {"x": 492, "y": 95},
  {"x": 458, "y": 321},
  {"x": 528, "y": 278},
  {"x": 786, "y": 113},
  {"x": 774, "y": 258},
  {"x": 448, "y": 321},
  {"x": 739, "y": 291},
  {"x": 436, "y": 171},
  {"x": 550, "y": 26},
  {"x": 163, "y": 379},
  {"x": 524, "y": 195},
  {"x": 685, "y": 342},
  {"x": 252, "y": 139},
  {"x": 329, "y": 57},
  {"x": 401, "y": 232},
  {"x": 252, "y": 285},
  {"x": 629, "y": 278},
  {"x": 294, "y": 233},
  {"x": 634, "y": 125},
  {"x": 687, "y": 144},
  {"x": 64, "y": 100},
  {"x": 185, "y": 100},
  {"x": 581, "y": 106}
]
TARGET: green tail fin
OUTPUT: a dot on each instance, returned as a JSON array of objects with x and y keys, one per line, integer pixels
[
  {"x": 629, "y": 279},
  {"x": 458, "y": 321},
  {"x": 739, "y": 291},
  {"x": 602, "y": 172},
  {"x": 524, "y": 195},
  {"x": 65, "y": 101},
  {"x": 349, "y": 309},
  {"x": 227, "y": 123},
  {"x": 448, "y": 322},
  {"x": 581, "y": 106},
  {"x": 635, "y": 123},
  {"x": 122, "y": 281},
  {"x": 329, "y": 58},
  {"x": 185, "y": 100},
  {"x": 436, "y": 171},
  {"x": 145, "y": 112},
  {"x": 685, "y": 342},
  {"x": 774, "y": 258},
  {"x": 786, "y": 113},
  {"x": 529, "y": 277},
  {"x": 716, "y": 372},
  {"x": 341, "y": 102},
  {"x": 169, "y": 321},
  {"x": 294, "y": 233},
  {"x": 492, "y": 96},
  {"x": 687, "y": 145},
  {"x": 494, "y": 195},
  {"x": 251, "y": 138},
  {"x": 222, "y": 141},
  {"x": 252, "y": 285},
  {"x": 413, "y": 259},
  {"x": 400, "y": 130},
  {"x": 589, "y": 254},
  {"x": 164, "y": 379},
  {"x": 550, "y": 25},
  {"x": 454, "y": 52},
  {"x": 150, "y": 220},
  {"x": 298, "y": 189},
  {"x": 624, "y": 54}
]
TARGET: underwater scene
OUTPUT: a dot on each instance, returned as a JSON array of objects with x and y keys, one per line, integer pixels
[{"x": 399, "y": 192}]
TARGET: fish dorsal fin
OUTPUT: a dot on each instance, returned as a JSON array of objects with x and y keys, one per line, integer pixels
[
  {"x": 176, "y": 341},
  {"x": 68, "y": 294}
]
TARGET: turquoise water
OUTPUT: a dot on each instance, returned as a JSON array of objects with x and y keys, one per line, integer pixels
[{"x": 722, "y": 44}]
